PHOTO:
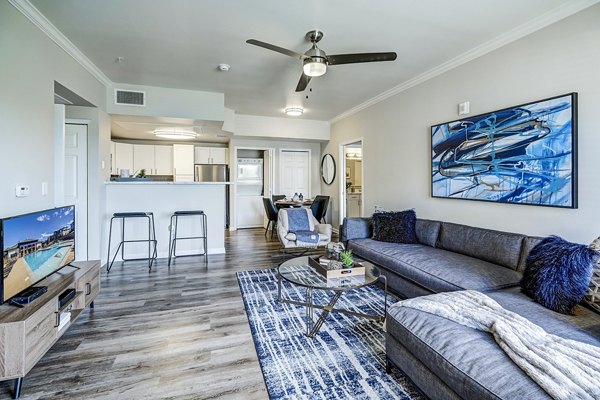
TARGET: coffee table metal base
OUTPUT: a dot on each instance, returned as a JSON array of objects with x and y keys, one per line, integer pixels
[{"x": 312, "y": 326}]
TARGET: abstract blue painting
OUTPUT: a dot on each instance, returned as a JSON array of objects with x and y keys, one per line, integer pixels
[{"x": 524, "y": 154}]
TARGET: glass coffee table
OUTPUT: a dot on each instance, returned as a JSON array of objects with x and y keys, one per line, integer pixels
[{"x": 297, "y": 272}]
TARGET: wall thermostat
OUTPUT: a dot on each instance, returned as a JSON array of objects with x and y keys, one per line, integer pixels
[{"x": 22, "y": 191}]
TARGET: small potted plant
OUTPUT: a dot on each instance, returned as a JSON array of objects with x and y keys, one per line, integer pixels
[{"x": 347, "y": 259}]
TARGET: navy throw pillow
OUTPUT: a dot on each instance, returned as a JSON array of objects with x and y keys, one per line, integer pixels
[
  {"x": 557, "y": 273},
  {"x": 395, "y": 227}
]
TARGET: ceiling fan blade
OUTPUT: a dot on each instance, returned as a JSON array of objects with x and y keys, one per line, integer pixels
[
  {"x": 277, "y": 49},
  {"x": 303, "y": 83},
  {"x": 359, "y": 58}
]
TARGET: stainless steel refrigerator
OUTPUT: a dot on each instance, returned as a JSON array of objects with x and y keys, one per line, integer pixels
[{"x": 214, "y": 173}]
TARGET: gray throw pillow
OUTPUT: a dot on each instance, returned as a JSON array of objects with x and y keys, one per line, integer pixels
[{"x": 593, "y": 296}]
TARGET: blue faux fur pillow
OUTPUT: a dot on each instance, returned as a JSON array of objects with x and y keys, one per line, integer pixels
[
  {"x": 557, "y": 273},
  {"x": 395, "y": 226}
]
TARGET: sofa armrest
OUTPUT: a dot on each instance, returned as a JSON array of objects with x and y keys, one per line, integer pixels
[{"x": 356, "y": 228}]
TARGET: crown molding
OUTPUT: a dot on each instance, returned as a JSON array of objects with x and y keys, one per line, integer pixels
[
  {"x": 542, "y": 21},
  {"x": 39, "y": 20}
]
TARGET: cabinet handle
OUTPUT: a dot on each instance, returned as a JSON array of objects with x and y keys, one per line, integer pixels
[
  {"x": 88, "y": 288},
  {"x": 57, "y": 322}
]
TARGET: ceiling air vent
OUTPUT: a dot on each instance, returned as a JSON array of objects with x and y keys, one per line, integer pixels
[{"x": 130, "y": 98}]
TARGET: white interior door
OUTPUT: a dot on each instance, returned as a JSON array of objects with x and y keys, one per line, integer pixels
[
  {"x": 75, "y": 183},
  {"x": 295, "y": 173}
]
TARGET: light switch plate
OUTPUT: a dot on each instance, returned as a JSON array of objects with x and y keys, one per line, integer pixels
[
  {"x": 464, "y": 108},
  {"x": 22, "y": 191},
  {"x": 44, "y": 188}
]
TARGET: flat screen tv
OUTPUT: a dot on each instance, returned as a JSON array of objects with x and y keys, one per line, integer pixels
[{"x": 34, "y": 246}]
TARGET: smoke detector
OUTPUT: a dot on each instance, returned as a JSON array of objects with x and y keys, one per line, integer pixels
[{"x": 224, "y": 67}]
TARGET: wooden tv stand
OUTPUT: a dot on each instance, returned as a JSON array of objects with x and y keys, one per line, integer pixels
[{"x": 27, "y": 333}]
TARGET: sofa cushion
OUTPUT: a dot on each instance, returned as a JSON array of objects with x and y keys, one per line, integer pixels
[
  {"x": 435, "y": 269},
  {"x": 528, "y": 244},
  {"x": 470, "y": 362},
  {"x": 395, "y": 226},
  {"x": 500, "y": 248},
  {"x": 428, "y": 231},
  {"x": 356, "y": 228}
]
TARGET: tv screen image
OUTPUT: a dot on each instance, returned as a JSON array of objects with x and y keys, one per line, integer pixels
[{"x": 36, "y": 245}]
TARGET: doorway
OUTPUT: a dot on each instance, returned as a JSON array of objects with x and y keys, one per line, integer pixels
[
  {"x": 253, "y": 175},
  {"x": 352, "y": 186}
]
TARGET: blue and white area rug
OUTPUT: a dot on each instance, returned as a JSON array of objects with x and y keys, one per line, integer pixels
[{"x": 345, "y": 360}]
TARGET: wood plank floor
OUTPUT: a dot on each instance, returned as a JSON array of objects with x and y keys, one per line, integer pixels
[{"x": 178, "y": 333}]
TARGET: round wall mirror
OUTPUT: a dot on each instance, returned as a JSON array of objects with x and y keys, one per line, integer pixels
[{"x": 328, "y": 169}]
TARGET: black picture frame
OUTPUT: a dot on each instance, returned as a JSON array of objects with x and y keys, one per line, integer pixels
[{"x": 437, "y": 155}]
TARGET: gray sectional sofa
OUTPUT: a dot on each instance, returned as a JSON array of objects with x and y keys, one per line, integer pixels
[{"x": 444, "y": 359}]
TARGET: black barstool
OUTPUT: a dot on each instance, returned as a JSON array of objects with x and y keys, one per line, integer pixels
[
  {"x": 173, "y": 233},
  {"x": 151, "y": 237}
]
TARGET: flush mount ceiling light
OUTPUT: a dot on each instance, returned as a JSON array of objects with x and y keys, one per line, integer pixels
[
  {"x": 294, "y": 111},
  {"x": 175, "y": 135}
]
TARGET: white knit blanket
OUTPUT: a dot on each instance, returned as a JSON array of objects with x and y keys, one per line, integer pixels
[{"x": 565, "y": 369}]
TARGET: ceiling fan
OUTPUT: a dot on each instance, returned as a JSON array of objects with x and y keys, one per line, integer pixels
[{"x": 315, "y": 61}]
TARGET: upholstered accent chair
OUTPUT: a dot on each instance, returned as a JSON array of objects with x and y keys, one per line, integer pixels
[{"x": 288, "y": 239}]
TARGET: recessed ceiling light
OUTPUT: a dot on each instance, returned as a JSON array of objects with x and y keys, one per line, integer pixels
[
  {"x": 294, "y": 111},
  {"x": 224, "y": 67},
  {"x": 175, "y": 135}
]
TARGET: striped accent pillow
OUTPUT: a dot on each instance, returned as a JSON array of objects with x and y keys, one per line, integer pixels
[{"x": 593, "y": 295}]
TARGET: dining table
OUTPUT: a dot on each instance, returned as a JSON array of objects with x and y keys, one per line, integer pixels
[{"x": 291, "y": 203}]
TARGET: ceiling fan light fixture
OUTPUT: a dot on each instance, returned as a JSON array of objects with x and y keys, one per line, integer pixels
[
  {"x": 175, "y": 135},
  {"x": 314, "y": 66},
  {"x": 294, "y": 111}
]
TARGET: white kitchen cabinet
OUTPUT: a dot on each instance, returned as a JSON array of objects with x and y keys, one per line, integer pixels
[
  {"x": 163, "y": 160},
  {"x": 123, "y": 157},
  {"x": 210, "y": 155},
  {"x": 183, "y": 162},
  {"x": 218, "y": 155},
  {"x": 353, "y": 205},
  {"x": 143, "y": 158},
  {"x": 202, "y": 155},
  {"x": 113, "y": 158}
]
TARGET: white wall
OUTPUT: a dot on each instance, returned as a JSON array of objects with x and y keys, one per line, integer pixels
[
  {"x": 31, "y": 62},
  {"x": 561, "y": 58},
  {"x": 280, "y": 128},
  {"x": 277, "y": 145},
  {"x": 167, "y": 102}
]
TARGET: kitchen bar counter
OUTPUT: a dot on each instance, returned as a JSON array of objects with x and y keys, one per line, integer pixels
[{"x": 164, "y": 198}]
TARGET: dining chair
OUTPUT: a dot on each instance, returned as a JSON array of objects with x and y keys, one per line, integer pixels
[
  {"x": 319, "y": 207},
  {"x": 277, "y": 197},
  {"x": 271, "y": 212}
]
